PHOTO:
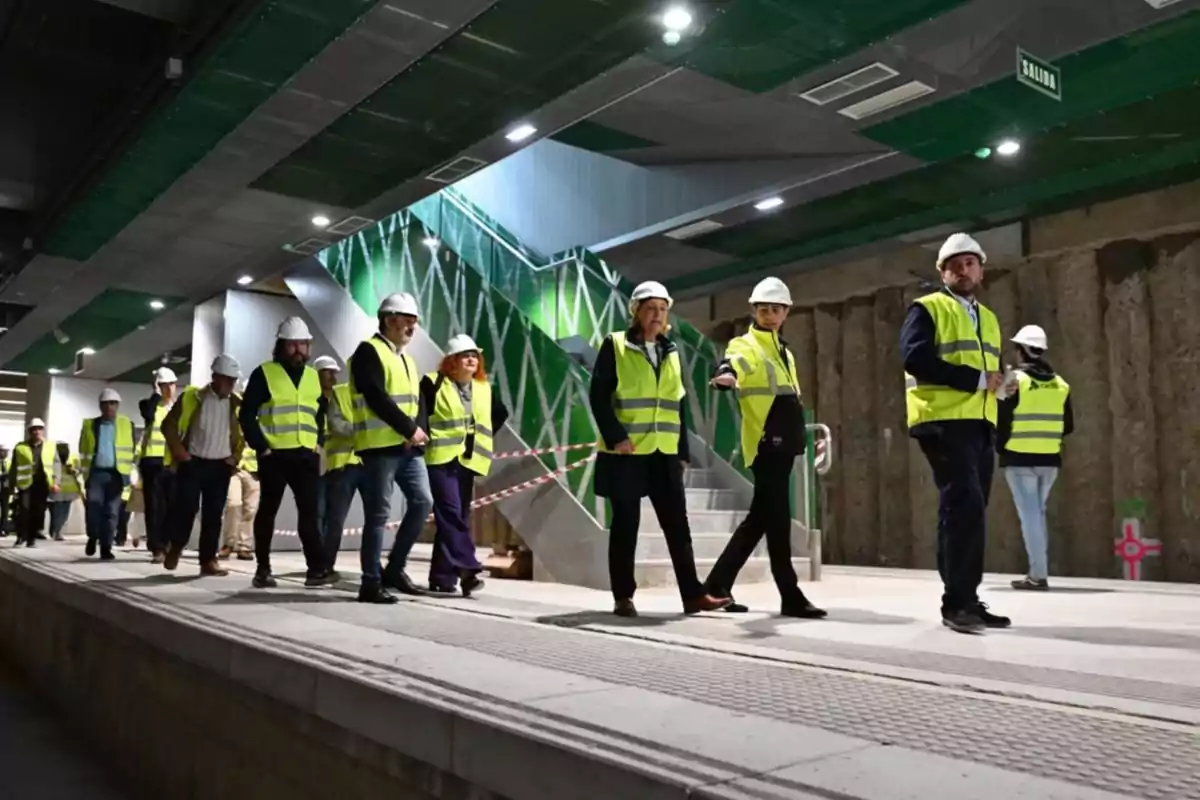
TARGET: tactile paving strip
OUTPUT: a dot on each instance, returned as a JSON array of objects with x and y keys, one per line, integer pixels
[{"x": 1122, "y": 756}]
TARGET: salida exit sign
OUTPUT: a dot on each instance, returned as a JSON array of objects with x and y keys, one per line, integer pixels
[{"x": 1040, "y": 75}]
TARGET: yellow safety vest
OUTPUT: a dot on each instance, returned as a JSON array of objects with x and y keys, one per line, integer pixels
[
  {"x": 68, "y": 484},
  {"x": 154, "y": 444},
  {"x": 249, "y": 461},
  {"x": 647, "y": 405},
  {"x": 289, "y": 418},
  {"x": 449, "y": 426},
  {"x": 400, "y": 382},
  {"x": 1037, "y": 425},
  {"x": 339, "y": 450},
  {"x": 189, "y": 402},
  {"x": 123, "y": 441},
  {"x": 23, "y": 456},
  {"x": 762, "y": 376},
  {"x": 958, "y": 342}
]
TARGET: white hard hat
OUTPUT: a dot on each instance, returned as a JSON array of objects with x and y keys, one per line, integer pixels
[
  {"x": 400, "y": 303},
  {"x": 649, "y": 290},
  {"x": 227, "y": 366},
  {"x": 1032, "y": 336},
  {"x": 294, "y": 329},
  {"x": 165, "y": 375},
  {"x": 36, "y": 422},
  {"x": 956, "y": 245},
  {"x": 461, "y": 344},
  {"x": 109, "y": 395},
  {"x": 326, "y": 362},
  {"x": 771, "y": 290}
]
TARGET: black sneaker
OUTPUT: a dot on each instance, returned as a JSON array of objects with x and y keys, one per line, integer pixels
[
  {"x": 1028, "y": 584},
  {"x": 471, "y": 583},
  {"x": 963, "y": 622},
  {"x": 90, "y": 550},
  {"x": 108, "y": 556},
  {"x": 989, "y": 619},
  {"x": 802, "y": 608},
  {"x": 442, "y": 590},
  {"x": 317, "y": 579},
  {"x": 333, "y": 576},
  {"x": 263, "y": 580},
  {"x": 374, "y": 593}
]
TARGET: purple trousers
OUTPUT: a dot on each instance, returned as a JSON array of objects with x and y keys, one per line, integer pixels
[{"x": 453, "y": 487}]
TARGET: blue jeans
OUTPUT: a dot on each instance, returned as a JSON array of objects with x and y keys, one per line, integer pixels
[
  {"x": 339, "y": 487},
  {"x": 103, "y": 505},
  {"x": 407, "y": 471},
  {"x": 60, "y": 513},
  {"x": 1030, "y": 489}
]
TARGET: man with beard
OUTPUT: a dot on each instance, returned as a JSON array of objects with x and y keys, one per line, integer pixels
[{"x": 283, "y": 419}]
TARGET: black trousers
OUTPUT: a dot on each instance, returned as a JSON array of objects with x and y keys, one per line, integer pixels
[
  {"x": 300, "y": 471},
  {"x": 771, "y": 516},
  {"x": 665, "y": 489},
  {"x": 157, "y": 483},
  {"x": 963, "y": 460},
  {"x": 31, "y": 510},
  {"x": 201, "y": 485}
]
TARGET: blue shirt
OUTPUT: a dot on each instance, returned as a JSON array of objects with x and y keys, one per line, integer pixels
[{"x": 106, "y": 445}]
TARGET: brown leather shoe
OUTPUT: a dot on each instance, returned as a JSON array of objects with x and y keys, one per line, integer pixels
[
  {"x": 225, "y": 553},
  {"x": 705, "y": 603},
  {"x": 625, "y": 608},
  {"x": 213, "y": 569},
  {"x": 171, "y": 557},
  {"x": 245, "y": 555}
]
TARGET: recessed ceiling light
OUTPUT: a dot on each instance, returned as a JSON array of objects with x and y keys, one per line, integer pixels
[
  {"x": 671, "y": 38},
  {"x": 769, "y": 203},
  {"x": 157, "y": 305},
  {"x": 520, "y": 133},
  {"x": 245, "y": 280},
  {"x": 321, "y": 221},
  {"x": 983, "y": 152},
  {"x": 54, "y": 370},
  {"x": 1009, "y": 147},
  {"x": 432, "y": 242},
  {"x": 87, "y": 351},
  {"x": 676, "y": 18}
]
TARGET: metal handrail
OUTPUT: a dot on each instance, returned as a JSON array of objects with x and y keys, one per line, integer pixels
[
  {"x": 461, "y": 206},
  {"x": 822, "y": 463}
]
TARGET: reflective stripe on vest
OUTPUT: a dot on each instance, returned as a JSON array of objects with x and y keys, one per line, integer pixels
[
  {"x": 339, "y": 450},
  {"x": 154, "y": 444},
  {"x": 400, "y": 382},
  {"x": 958, "y": 343},
  {"x": 647, "y": 404},
  {"x": 289, "y": 419},
  {"x": 1037, "y": 425},
  {"x": 449, "y": 426},
  {"x": 23, "y": 456},
  {"x": 122, "y": 441},
  {"x": 762, "y": 376}
]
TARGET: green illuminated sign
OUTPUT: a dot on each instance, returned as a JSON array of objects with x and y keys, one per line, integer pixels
[{"x": 1040, "y": 75}]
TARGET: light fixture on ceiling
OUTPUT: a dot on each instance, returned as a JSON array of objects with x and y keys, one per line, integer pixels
[
  {"x": 1009, "y": 147},
  {"x": 676, "y": 18},
  {"x": 671, "y": 38},
  {"x": 245, "y": 280},
  {"x": 87, "y": 351},
  {"x": 157, "y": 305},
  {"x": 983, "y": 152},
  {"x": 321, "y": 221},
  {"x": 432, "y": 242},
  {"x": 520, "y": 133},
  {"x": 54, "y": 370},
  {"x": 769, "y": 203}
]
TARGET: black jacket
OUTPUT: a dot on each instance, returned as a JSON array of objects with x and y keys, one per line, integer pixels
[
  {"x": 258, "y": 393},
  {"x": 429, "y": 390},
  {"x": 371, "y": 382},
  {"x": 784, "y": 431},
  {"x": 1039, "y": 370},
  {"x": 148, "y": 407}
]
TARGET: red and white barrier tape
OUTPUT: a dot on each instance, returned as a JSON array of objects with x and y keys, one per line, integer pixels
[
  {"x": 544, "y": 451},
  {"x": 488, "y": 499}
]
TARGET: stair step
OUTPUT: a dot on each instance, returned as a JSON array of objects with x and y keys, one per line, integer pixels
[
  {"x": 701, "y": 479},
  {"x": 707, "y": 500},
  {"x": 658, "y": 572},
  {"x": 701, "y": 521},
  {"x": 653, "y": 546}
]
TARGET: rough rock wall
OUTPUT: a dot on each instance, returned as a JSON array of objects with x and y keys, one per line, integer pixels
[{"x": 1124, "y": 324}]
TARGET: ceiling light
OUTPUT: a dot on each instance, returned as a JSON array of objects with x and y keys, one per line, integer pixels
[
  {"x": 321, "y": 221},
  {"x": 1009, "y": 147},
  {"x": 677, "y": 18},
  {"x": 245, "y": 280},
  {"x": 769, "y": 203},
  {"x": 983, "y": 152},
  {"x": 54, "y": 370},
  {"x": 157, "y": 305},
  {"x": 87, "y": 351},
  {"x": 432, "y": 242},
  {"x": 520, "y": 133},
  {"x": 671, "y": 38}
]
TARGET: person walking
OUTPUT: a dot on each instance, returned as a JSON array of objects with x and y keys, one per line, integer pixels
[
  {"x": 464, "y": 414},
  {"x": 759, "y": 365},
  {"x": 342, "y": 470},
  {"x": 638, "y": 400},
  {"x": 32, "y": 474},
  {"x": 1034, "y": 416},
  {"x": 237, "y": 532},
  {"x": 950, "y": 344},
  {"x": 204, "y": 443},
  {"x": 283, "y": 418},
  {"x": 106, "y": 447},
  {"x": 6, "y": 489},
  {"x": 390, "y": 434},
  {"x": 157, "y": 480},
  {"x": 66, "y": 476}
]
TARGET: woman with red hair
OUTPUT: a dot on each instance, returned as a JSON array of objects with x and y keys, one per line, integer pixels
[{"x": 463, "y": 415}]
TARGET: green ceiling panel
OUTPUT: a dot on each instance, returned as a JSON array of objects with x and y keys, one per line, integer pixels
[
  {"x": 1113, "y": 74},
  {"x": 758, "y": 45},
  {"x": 267, "y": 49},
  {"x": 514, "y": 58},
  {"x": 598, "y": 138},
  {"x": 112, "y": 315}
]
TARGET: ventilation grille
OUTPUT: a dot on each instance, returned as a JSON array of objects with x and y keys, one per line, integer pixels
[
  {"x": 349, "y": 225},
  {"x": 846, "y": 85},
  {"x": 886, "y": 100},
  {"x": 455, "y": 170},
  {"x": 309, "y": 247},
  {"x": 695, "y": 229}
]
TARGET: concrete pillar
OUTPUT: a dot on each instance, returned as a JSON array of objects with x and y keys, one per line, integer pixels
[
  {"x": 922, "y": 493},
  {"x": 859, "y": 529},
  {"x": 1005, "y": 546},
  {"x": 828, "y": 324},
  {"x": 894, "y": 539}
]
